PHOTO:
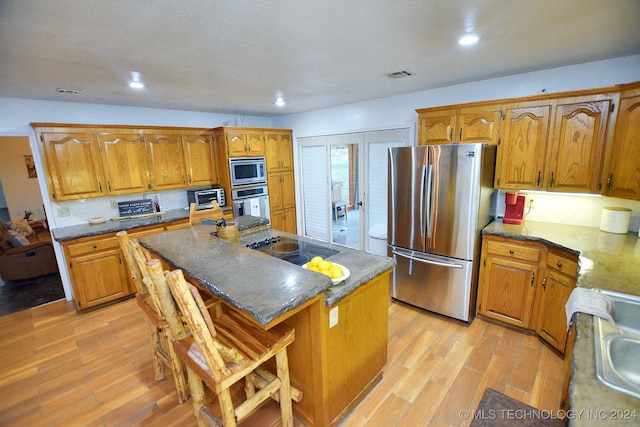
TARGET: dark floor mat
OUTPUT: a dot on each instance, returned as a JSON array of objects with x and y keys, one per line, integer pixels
[{"x": 496, "y": 409}]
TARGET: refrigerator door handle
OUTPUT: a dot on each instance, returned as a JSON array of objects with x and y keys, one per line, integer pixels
[
  {"x": 423, "y": 211},
  {"x": 427, "y": 208},
  {"x": 427, "y": 261}
]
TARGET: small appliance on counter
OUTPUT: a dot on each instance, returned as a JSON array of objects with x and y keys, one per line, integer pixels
[
  {"x": 203, "y": 198},
  {"x": 514, "y": 208}
]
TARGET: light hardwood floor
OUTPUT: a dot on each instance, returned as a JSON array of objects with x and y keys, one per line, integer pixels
[{"x": 94, "y": 369}]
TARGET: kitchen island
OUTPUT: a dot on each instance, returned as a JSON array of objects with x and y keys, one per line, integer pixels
[
  {"x": 340, "y": 343},
  {"x": 606, "y": 261}
]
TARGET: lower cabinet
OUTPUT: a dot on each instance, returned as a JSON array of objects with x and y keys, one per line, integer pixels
[
  {"x": 284, "y": 220},
  {"x": 526, "y": 284},
  {"x": 97, "y": 267}
]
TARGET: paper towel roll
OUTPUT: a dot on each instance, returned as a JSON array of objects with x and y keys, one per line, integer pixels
[
  {"x": 254, "y": 207},
  {"x": 615, "y": 220}
]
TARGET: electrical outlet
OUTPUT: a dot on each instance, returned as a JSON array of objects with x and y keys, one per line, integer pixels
[
  {"x": 62, "y": 212},
  {"x": 530, "y": 203},
  {"x": 114, "y": 204},
  {"x": 333, "y": 317}
]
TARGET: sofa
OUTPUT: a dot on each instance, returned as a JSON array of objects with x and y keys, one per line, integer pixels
[{"x": 25, "y": 253}]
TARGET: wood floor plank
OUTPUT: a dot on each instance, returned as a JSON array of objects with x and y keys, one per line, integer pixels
[{"x": 94, "y": 369}]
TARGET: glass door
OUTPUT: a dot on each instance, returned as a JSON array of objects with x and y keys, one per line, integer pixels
[{"x": 347, "y": 197}]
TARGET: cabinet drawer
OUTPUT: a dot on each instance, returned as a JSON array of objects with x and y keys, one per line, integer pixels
[
  {"x": 563, "y": 264},
  {"x": 525, "y": 253},
  {"x": 94, "y": 246}
]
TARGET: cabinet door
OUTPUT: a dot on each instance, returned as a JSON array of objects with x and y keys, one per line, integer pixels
[
  {"x": 73, "y": 165},
  {"x": 523, "y": 147},
  {"x": 124, "y": 159},
  {"x": 236, "y": 143},
  {"x": 284, "y": 220},
  {"x": 577, "y": 144},
  {"x": 278, "y": 151},
  {"x": 255, "y": 143},
  {"x": 623, "y": 177},
  {"x": 281, "y": 191},
  {"x": 506, "y": 290},
  {"x": 479, "y": 125},
  {"x": 166, "y": 161},
  {"x": 552, "y": 320},
  {"x": 436, "y": 127},
  {"x": 199, "y": 161},
  {"x": 98, "y": 278}
]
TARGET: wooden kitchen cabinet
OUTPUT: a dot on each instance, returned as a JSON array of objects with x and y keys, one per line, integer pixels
[
  {"x": 508, "y": 275},
  {"x": 524, "y": 134},
  {"x": 167, "y": 166},
  {"x": 622, "y": 173},
  {"x": 576, "y": 146},
  {"x": 552, "y": 295},
  {"x": 124, "y": 161},
  {"x": 466, "y": 125},
  {"x": 97, "y": 268},
  {"x": 243, "y": 142},
  {"x": 285, "y": 220},
  {"x": 282, "y": 200},
  {"x": 97, "y": 272},
  {"x": 278, "y": 150},
  {"x": 526, "y": 284},
  {"x": 72, "y": 165},
  {"x": 199, "y": 158}
]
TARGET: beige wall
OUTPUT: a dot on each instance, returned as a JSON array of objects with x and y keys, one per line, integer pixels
[{"x": 21, "y": 192}]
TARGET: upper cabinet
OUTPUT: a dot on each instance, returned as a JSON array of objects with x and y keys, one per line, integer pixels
[
  {"x": 278, "y": 150},
  {"x": 622, "y": 174},
  {"x": 83, "y": 162},
  {"x": 576, "y": 147},
  {"x": 199, "y": 157},
  {"x": 167, "y": 165},
  {"x": 72, "y": 163},
  {"x": 124, "y": 160},
  {"x": 523, "y": 148},
  {"x": 464, "y": 125},
  {"x": 242, "y": 142}
]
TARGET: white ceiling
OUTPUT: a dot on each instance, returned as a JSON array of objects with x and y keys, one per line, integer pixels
[{"x": 235, "y": 56}]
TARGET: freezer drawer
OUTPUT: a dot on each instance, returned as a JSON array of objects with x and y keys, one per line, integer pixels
[{"x": 439, "y": 284}]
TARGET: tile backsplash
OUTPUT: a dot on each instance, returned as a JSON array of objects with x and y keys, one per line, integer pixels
[{"x": 571, "y": 209}]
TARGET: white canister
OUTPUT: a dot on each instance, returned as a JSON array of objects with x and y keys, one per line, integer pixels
[{"x": 615, "y": 220}]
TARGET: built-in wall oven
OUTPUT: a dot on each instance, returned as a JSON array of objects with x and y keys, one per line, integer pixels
[
  {"x": 247, "y": 171},
  {"x": 252, "y": 201}
]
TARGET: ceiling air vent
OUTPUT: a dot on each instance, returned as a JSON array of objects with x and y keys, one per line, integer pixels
[
  {"x": 399, "y": 74},
  {"x": 70, "y": 91}
]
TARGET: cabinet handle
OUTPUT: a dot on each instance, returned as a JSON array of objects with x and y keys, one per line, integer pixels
[
  {"x": 559, "y": 264},
  {"x": 544, "y": 284},
  {"x": 511, "y": 251},
  {"x": 538, "y": 180},
  {"x": 100, "y": 186},
  {"x": 609, "y": 180},
  {"x": 460, "y": 140},
  {"x": 551, "y": 180},
  {"x": 533, "y": 277},
  {"x": 109, "y": 186}
]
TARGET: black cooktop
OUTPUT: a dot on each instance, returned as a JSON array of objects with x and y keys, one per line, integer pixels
[{"x": 295, "y": 251}]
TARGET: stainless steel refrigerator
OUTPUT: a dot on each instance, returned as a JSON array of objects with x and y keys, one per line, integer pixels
[{"x": 440, "y": 198}]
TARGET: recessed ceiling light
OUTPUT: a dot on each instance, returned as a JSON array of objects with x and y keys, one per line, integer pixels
[
  {"x": 468, "y": 40},
  {"x": 280, "y": 102},
  {"x": 135, "y": 82}
]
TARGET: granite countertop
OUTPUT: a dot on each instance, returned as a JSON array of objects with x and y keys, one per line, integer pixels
[
  {"x": 63, "y": 234},
  {"x": 262, "y": 286},
  {"x": 606, "y": 261}
]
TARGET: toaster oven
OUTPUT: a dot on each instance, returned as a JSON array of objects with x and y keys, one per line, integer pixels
[{"x": 204, "y": 198}]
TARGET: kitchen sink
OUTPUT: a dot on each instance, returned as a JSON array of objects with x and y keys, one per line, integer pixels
[{"x": 617, "y": 347}]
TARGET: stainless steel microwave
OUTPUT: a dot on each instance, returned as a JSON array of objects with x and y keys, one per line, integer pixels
[
  {"x": 204, "y": 198},
  {"x": 247, "y": 171}
]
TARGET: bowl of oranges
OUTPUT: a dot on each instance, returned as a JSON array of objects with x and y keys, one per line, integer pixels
[{"x": 337, "y": 272}]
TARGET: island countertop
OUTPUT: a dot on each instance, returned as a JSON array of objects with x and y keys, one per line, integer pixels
[
  {"x": 264, "y": 287},
  {"x": 606, "y": 261}
]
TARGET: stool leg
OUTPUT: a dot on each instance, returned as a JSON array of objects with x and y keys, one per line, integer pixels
[
  {"x": 158, "y": 367},
  {"x": 282, "y": 366}
]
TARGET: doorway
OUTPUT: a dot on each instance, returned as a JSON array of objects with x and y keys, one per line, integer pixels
[{"x": 344, "y": 185}]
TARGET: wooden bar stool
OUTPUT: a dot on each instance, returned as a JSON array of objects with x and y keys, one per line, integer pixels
[
  {"x": 162, "y": 353},
  {"x": 196, "y": 216},
  {"x": 220, "y": 352}
]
